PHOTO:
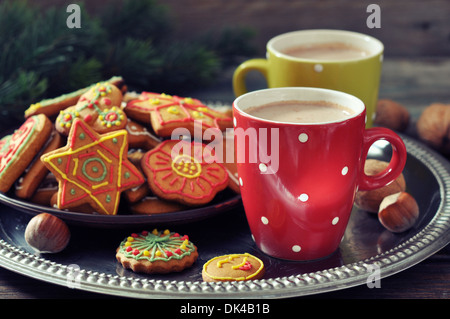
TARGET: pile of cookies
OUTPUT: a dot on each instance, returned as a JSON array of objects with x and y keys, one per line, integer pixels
[{"x": 88, "y": 150}]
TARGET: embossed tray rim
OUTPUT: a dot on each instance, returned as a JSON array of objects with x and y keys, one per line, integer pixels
[{"x": 434, "y": 236}]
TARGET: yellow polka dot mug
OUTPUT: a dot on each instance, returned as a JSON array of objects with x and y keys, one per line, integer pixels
[
  {"x": 298, "y": 174},
  {"x": 320, "y": 58}
]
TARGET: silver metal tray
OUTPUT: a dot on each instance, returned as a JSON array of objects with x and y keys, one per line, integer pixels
[{"x": 89, "y": 264}]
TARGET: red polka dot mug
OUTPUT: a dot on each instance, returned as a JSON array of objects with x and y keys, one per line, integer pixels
[{"x": 298, "y": 176}]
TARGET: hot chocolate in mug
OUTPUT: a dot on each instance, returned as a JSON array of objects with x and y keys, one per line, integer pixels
[
  {"x": 333, "y": 59},
  {"x": 298, "y": 178}
]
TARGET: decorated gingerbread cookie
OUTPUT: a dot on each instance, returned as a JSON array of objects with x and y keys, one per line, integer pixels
[
  {"x": 18, "y": 150},
  {"x": 156, "y": 252},
  {"x": 135, "y": 194},
  {"x": 92, "y": 169},
  {"x": 29, "y": 182},
  {"x": 141, "y": 137},
  {"x": 152, "y": 205},
  {"x": 187, "y": 172},
  {"x": 100, "y": 107},
  {"x": 166, "y": 113},
  {"x": 51, "y": 107},
  {"x": 45, "y": 191},
  {"x": 229, "y": 160},
  {"x": 239, "y": 267},
  {"x": 141, "y": 107}
]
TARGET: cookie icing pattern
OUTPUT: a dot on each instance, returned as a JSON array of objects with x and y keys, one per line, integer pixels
[
  {"x": 99, "y": 107},
  {"x": 168, "y": 110},
  {"x": 190, "y": 174},
  {"x": 10, "y": 145},
  {"x": 52, "y": 106},
  {"x": 156, "y": 245},
  {"x": 93, "y": 168},
  {"x": 233, "y": 267},
  {"x": 18, "y": 149}
]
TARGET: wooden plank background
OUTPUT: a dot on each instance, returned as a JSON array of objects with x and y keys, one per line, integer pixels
[{"x": 409, "y": 28}]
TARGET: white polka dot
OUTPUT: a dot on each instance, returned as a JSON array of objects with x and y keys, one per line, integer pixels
[
  {"x": 296, "y": 248},
  {"x": 240, "y": 182},
  {"x": 344, "y": 170},
  {"x": 335, "y": 220},
  {"x": 263, "y": 167},
  {"x": 234, "y": 121},
  {"x": 303, "y": 197},
  {"x": 264, "y": 220},
  {"x": 318, "y": 67},
  {"x": 303, "y": 137}
]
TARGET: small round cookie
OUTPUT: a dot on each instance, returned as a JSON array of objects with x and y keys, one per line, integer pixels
[
  {"x": 156, "y": 252},
  {"x": 233, "y": 267},
  {"x": 18, "y": 150}
]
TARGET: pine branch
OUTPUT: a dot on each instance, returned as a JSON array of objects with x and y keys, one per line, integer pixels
[{"x": 41, "y": 58}]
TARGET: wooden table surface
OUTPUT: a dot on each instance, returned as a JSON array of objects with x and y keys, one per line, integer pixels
[{"x": 415, "y": 83}]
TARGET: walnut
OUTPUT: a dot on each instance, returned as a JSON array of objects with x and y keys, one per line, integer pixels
[
  {"x": 392, "y": 115},
  {"x": 433, "y": 127}
]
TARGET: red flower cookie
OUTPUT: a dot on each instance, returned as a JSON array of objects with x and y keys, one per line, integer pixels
[
  {"x": 18, "y": 150},
  {"x": 92, "y": 169},
  {"x": 166, "y": 113},
  {"x": 187, "y": 172}
]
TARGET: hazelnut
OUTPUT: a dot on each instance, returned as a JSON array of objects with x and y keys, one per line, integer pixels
[
  {"x": 370, "y": 200},
  {"x": 433, "y": 127},
  {"x": 47, "y": 233},
  {"x": 398, "y": 212},
  {"x": 392, "y": 115}
]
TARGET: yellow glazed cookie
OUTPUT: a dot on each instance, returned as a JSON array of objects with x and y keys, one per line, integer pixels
[{"x": 233, "y": 267}]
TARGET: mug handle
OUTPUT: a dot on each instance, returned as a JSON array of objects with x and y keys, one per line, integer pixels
[
  {"x": 239, "y": 86},
  {"x": 396, "y": 164}
]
